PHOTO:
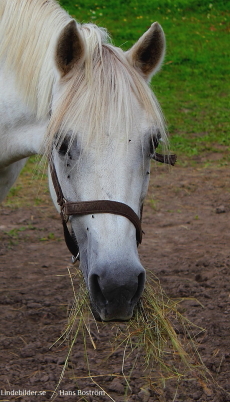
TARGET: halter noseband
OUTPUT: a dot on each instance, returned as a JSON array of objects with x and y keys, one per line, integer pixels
[
  {"x": 87, "y": 208},
  {"x": 96, "y": 207}
]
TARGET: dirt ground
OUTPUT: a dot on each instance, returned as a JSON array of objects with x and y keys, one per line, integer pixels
[{"x": 186, "y": 244}]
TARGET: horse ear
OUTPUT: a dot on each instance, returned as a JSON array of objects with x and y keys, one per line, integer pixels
[
  {"x": 148, "y": 53},
  {"x": 70, "y": 48}
]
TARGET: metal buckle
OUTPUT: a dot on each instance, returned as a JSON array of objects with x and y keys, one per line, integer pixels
[{"x": 75, "y": 258}]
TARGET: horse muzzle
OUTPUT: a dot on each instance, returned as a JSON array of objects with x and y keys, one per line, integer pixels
[{"x": 115, "y": 292}]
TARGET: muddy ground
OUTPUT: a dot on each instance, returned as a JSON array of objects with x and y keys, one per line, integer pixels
[{"x": 186, "y": 244}]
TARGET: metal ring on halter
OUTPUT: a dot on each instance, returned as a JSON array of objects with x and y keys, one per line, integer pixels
[{"x": 75, "y": 259}]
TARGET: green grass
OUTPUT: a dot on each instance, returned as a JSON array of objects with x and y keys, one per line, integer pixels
[
  {"x": 193, "y": 85},
  {"x": 31, "y": 188}
]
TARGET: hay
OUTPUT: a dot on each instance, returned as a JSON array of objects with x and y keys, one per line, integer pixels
[{"x": 158, "y": 334}]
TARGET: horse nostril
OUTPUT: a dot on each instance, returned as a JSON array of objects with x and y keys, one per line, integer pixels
[
  {"x": 96, "y": 292},
  {"x": 140, "y": 288}
]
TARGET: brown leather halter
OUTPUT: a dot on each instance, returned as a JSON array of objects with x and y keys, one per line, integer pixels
[
  {"x": 89, "y": 207},
  {"x": 96, "y": 207}
]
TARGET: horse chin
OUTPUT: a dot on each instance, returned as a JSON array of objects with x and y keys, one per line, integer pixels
[{"x": 115, "y": 318}]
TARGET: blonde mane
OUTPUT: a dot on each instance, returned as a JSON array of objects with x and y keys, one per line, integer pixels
[
  {"x": 101, "y": 90},
  {"x": 29, "y": 30}
]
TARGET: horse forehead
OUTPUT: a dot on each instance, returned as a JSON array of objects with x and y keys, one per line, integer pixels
[
  {"x": 126, "y": 127},
  {"x": 119, "y": 157},
  {"x": 96, "y": 124},
  {"x": 72, "y": 94}
]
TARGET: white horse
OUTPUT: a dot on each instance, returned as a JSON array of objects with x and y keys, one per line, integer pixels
[{"x": 67, "y": 93}]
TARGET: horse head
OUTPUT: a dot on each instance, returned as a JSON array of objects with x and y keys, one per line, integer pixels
[{"x": 105, "y": 124}]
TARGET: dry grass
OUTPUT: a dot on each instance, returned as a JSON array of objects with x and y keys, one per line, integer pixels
[{"x": 158, "y": 334}]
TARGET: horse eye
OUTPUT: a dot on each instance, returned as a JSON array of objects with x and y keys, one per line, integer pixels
[
  {"x": 152, "y": 146},
  {"x": 154, "y": 142},
  {"x": 63, "y": 147}
]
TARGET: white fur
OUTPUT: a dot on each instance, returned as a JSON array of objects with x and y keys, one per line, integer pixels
[{"x": 21, "y": 135}]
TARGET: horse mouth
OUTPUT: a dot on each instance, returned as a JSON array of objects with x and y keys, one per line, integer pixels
[{"x": 104, "y": 314}]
